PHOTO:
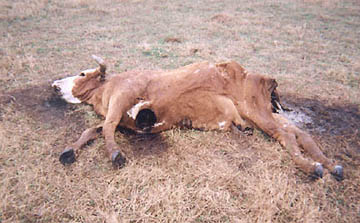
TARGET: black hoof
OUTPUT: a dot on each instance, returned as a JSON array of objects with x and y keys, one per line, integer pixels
[
  {"x": 248, "y": 131},
  {"x": 338, "y": 173},
  {"x": 67, "y": 156},
  {"x": 118, "y": 160},
  {"x": 319, "y": 171}
]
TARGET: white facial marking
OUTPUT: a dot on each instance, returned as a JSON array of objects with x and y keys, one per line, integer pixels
[
  {"x": 159, "y": 124},
  {"x": 136, "y": 108},
  {"x": 65, "y": 86},
  {"x": 222, "y": 124}
]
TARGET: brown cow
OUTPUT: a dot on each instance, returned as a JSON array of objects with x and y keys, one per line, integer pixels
[{"x": 204, "y": 95}]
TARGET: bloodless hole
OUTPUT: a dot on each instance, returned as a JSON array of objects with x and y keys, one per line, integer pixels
[{"x": 145, "y": 119}]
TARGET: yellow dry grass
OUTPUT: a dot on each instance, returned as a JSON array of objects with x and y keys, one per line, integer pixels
[{"x": 311, "y": 47}]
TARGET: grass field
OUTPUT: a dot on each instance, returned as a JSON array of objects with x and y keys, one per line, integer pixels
[{"x": 312, "y": 47}]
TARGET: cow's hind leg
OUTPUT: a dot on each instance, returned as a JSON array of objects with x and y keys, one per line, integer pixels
[
  {"x": 288, "y": 140},
  {"x": 278, "y": 130},
  {"x": 305, "y": 141},
  {"x": 309, "y": 145},
  {"x": 68, "y": 155}
]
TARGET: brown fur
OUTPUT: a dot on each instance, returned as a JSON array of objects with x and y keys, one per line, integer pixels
[{"x": 203, "y": 95}]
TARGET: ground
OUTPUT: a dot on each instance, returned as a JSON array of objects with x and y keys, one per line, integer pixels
[{"x": 312, "y": 47}]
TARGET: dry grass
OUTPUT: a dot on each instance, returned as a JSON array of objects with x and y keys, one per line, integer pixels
[{"x": 311, "y": 47}]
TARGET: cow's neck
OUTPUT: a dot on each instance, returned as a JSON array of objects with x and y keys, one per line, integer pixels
[{"x": 93, "y": 96}]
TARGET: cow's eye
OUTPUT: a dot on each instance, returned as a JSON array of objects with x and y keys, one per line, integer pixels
[{"x": 82, "y": 74}]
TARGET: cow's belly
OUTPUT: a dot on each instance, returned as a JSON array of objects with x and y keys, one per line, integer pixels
[{"x": 200, "y": 110}]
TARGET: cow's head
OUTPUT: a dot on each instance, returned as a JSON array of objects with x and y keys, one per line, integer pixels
[{"x": 76, "y": 89}]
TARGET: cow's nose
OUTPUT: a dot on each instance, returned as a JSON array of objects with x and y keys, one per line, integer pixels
[{"x": 56, "y": 87}]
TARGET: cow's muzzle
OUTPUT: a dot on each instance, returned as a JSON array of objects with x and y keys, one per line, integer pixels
[{"x": 56, "y": 89}]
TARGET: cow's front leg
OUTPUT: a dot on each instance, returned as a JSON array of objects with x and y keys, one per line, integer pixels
[
  {"x": 112, "y": 149},
  {"x": 68, "y": 155}
]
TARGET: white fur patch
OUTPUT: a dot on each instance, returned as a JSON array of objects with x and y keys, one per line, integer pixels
[
  {"x": 159, "y": 124},
  {"x": 222, "y": 124},
  {"x": 136, "y": 108},
  {"x": 65, "y": 86}
]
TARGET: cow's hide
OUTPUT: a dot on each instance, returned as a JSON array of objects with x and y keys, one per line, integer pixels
[{"x": 222, "y": 96}]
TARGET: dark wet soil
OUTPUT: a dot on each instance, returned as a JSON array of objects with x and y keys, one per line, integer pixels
[
  {"x": 337, "y": 119},
  {"x": 338, "y": 122},
  {"x": 42, "y": 104}
]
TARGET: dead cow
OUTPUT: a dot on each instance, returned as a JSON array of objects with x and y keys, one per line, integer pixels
[{"x": 204, "y": 95}]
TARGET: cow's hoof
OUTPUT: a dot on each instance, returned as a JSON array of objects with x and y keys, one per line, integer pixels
[
  {"x": 248, "y": 131},
  {"x": 118, "y": 160},
  {"x": 67, "y": 156},
  {"x": 338, "y": 173},
  {"x": 319, "y": 171}
]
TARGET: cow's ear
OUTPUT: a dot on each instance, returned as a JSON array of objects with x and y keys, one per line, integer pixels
[
  {"x": 101, "y": 63},
  {"x": 101, "y": 77}
]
